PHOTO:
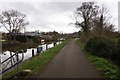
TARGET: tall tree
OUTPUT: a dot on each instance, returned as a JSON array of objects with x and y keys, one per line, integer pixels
[
  {"x": 84, "y": 16},
  {"x": 101, "y": 21},
  {"x": 13, "y": 21},
  {"x": 87, "y": 11}
]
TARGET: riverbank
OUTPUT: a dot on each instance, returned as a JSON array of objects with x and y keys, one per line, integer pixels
[
  {"x": 36, "y": 63},
  {"x": 105, "y": 66}
]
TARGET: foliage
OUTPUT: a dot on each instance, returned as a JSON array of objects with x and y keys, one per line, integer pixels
[
  {"x": 104, "y": 47},
  {"x": 116, "y": 52},
  {"x": 35, "y": 39},
  {"x": 100, "y": 46},
  {"x": 21, "y": 38},
  {"x": 108, "y": 69}
]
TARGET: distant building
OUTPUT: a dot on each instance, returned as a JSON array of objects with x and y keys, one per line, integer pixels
[{"x": 33, "y": 33}]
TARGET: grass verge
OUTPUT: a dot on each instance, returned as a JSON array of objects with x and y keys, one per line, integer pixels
[
  {"x": 38, "y": 62},
  {"x": 105, "y": 66}
]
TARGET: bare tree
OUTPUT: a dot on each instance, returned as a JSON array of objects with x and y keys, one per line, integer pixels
[
  {"x": 13, "y": 21},
  {"x": 84, "y": 16},
  {"x": 101, "y": 22},
  {"x": 87, "y": 11}
]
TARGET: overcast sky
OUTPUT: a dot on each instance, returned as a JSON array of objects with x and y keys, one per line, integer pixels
[{"x": 50, "y": 15}]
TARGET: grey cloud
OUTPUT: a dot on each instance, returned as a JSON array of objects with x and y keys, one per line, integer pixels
[{"x": 39, "y": 14}]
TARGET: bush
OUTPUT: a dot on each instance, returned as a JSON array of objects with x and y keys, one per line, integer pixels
[
  {"x": 36, "y": 39},
  {"x": 100, "y": 46},
  {"x": 116, "y": 52},
  {"x": 104, "y": 47},
  {"x": 21, "y": 38}
]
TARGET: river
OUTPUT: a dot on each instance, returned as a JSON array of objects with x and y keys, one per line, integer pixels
[{"x": 27, "y": 53}]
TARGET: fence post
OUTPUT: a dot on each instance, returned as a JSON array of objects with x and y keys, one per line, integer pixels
[
  {"x": 17, "y": 56},
  {"x": 32, "y": 52},
  {"x": 46, "y": 46},
  {"x": 54, "y": 43}
]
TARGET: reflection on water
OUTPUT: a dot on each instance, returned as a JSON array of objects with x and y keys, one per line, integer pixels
[
  {"x": 27, "y": 52},
  {"x": 18, "y": 47}
]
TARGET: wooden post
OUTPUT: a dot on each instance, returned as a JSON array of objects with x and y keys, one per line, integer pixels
[
  {"x": 46, "y": 46},
  {"x": 54, "y": 43},
  {"x": 11, "y": 59},
  {"x": 38, "y": 50},
  {"x": 32, "y": 52}
]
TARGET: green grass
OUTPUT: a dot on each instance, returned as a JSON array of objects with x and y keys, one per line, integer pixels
[
  {"x": 37, "y": 63},
  {"x": 105, "y": 66}
]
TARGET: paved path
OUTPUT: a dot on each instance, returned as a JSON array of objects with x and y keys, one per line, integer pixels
[{"x": 70, "y": 62}]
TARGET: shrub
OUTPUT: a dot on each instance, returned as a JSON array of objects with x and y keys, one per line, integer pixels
[
  {"x": 104, "y": 47},
  {"x": 21, "y": 38},
  {"x": 35, "y": 39},
  {"x": 116, "y": 52},
  {"x": 100, "y": 46}
]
